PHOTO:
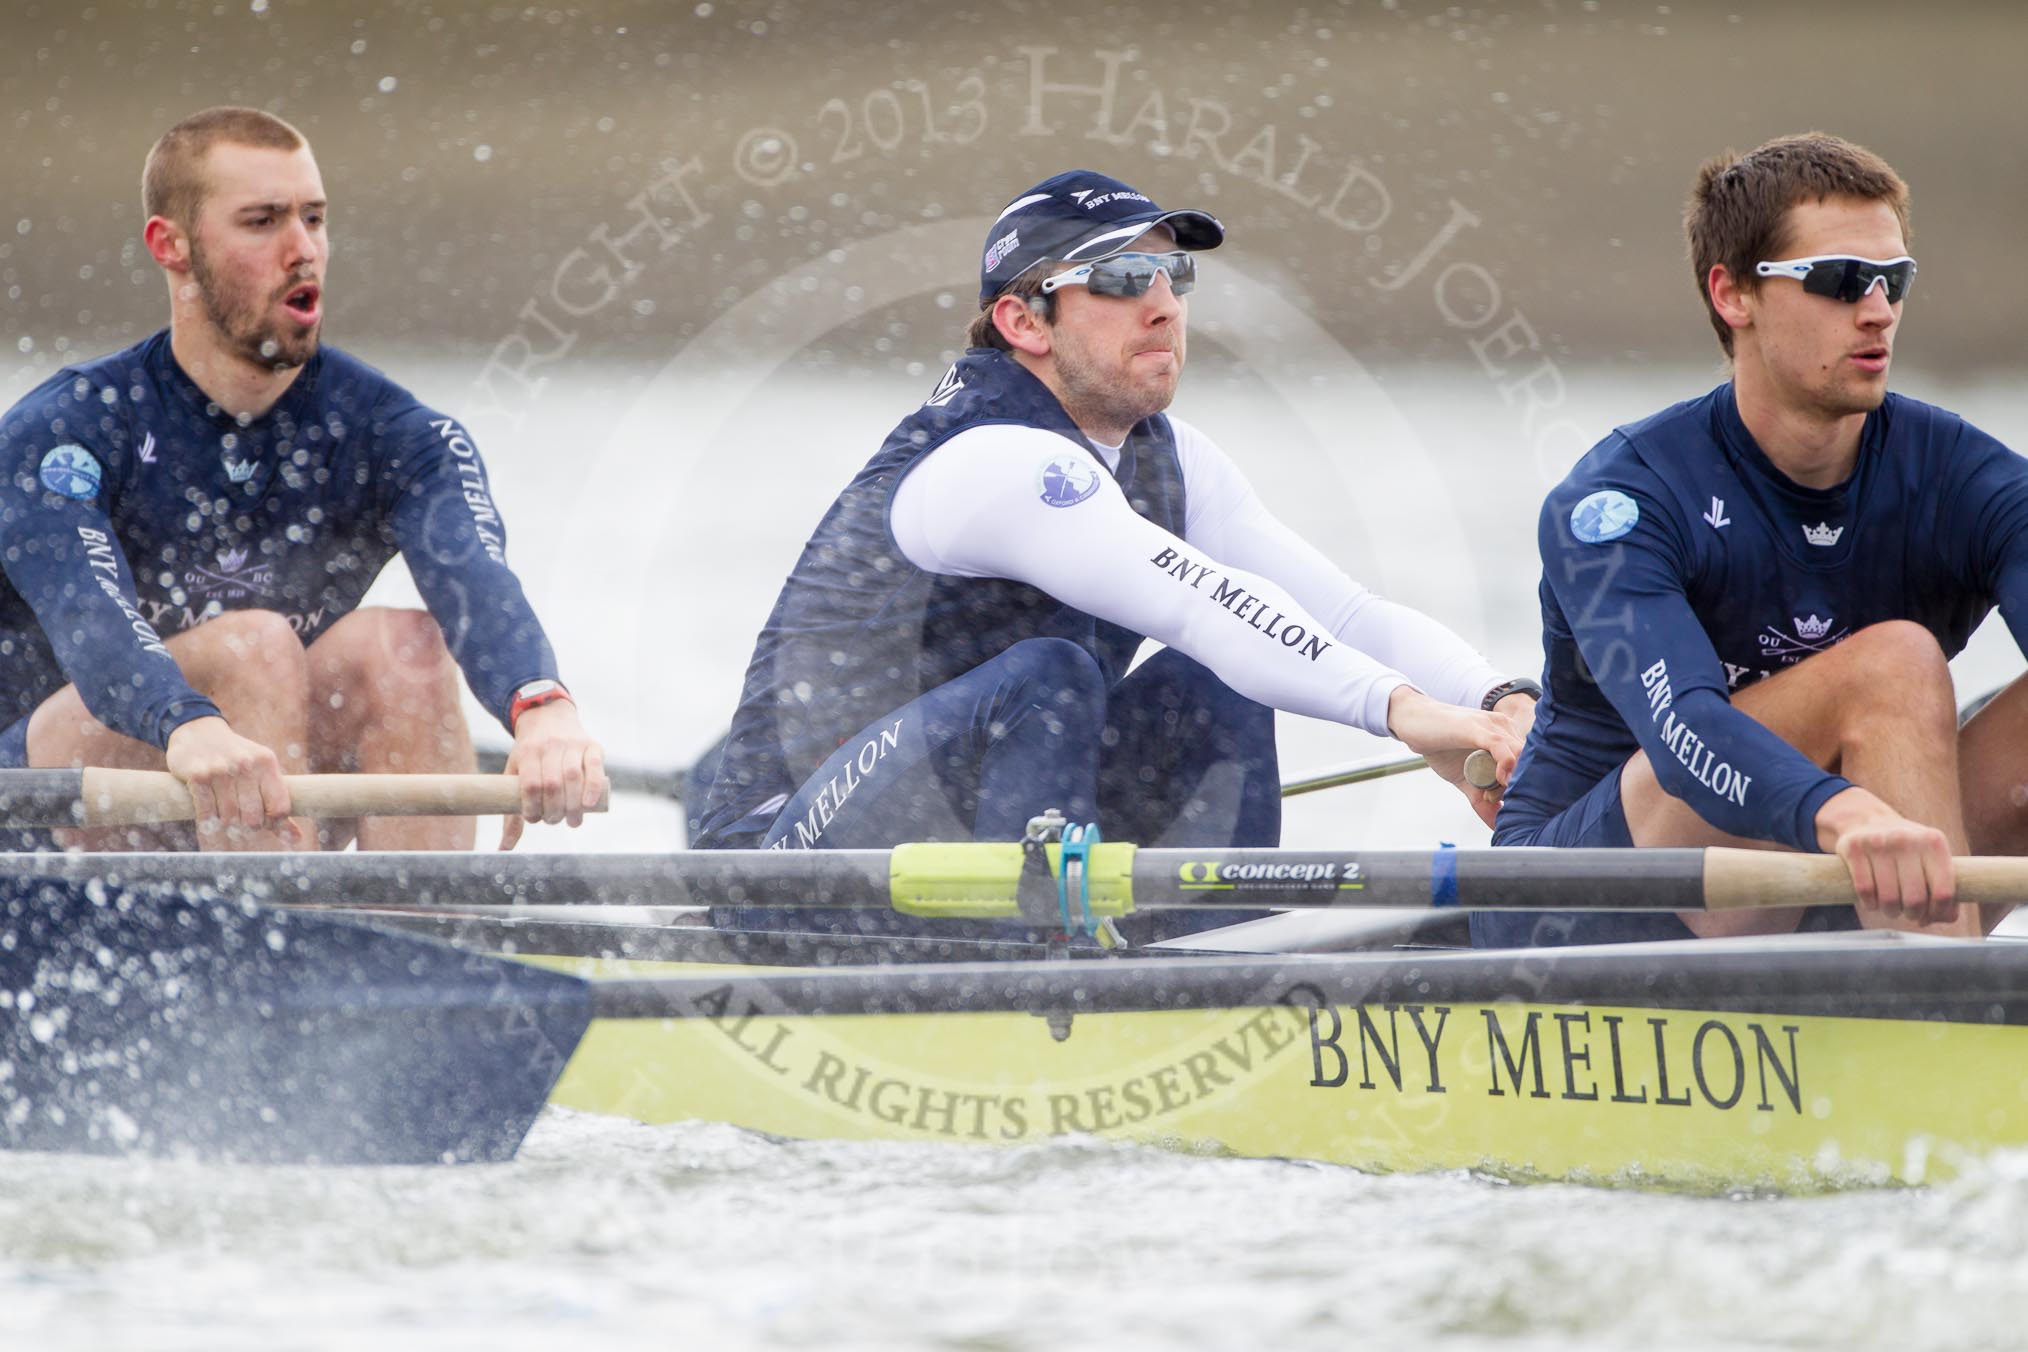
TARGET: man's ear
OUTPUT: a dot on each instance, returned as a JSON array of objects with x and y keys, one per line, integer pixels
[
  {"x": 1733, "y": 304},
  {"x": 1021, "y": 324},
  {"x": 167, "y": 244}
]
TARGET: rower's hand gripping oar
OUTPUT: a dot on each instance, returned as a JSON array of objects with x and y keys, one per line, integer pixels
[
  {"x": 622, "y": 777},
  {"x": 101, "y": 797}
]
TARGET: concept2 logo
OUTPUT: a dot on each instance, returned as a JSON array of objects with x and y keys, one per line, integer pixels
[{"x": 1226, "y": 876}]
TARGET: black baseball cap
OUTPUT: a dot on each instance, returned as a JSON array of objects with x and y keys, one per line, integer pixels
[{"x": 1076, "y": 217}]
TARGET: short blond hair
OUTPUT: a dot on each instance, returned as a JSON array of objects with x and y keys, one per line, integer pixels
[{"x": 172, "y": 181}]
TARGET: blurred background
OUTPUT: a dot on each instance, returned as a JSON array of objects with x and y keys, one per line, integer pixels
[{"x": 680, "y": 266}]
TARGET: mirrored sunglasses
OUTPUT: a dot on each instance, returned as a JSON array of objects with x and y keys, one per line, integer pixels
[
  {"x": 1845, "y": 277},
  {"x": 1128, "y": 274}
]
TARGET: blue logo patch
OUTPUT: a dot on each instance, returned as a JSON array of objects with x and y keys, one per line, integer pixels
[
  {"x": 1069, "y": 480},
  {"x": 1604, "y": 516},
  {"x": 71, "y": 471}
]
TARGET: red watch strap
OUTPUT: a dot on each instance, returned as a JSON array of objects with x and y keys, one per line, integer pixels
[{"x": 535, "y": 695}]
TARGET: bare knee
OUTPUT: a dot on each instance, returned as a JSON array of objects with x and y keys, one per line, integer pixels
[
  {"x": 386, "y": 696},
  {"x": 384, "y": 651},
  {"x": 241, "y": 647},
  {"x": 381, "y": 664},
  {"x": 1993, "y": 781},
  {"x": 63, "y": 733},
  {"x": 414, "y": 642},
  {"x": 1897, "y": 671},
  {"x": 1905, "y": 646}
]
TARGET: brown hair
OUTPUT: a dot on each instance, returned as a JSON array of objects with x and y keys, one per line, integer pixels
[
  {"x": 1738, "y": 211},
  {"x": 173, "y": 182},
  {"x": 985, "y": 333}
]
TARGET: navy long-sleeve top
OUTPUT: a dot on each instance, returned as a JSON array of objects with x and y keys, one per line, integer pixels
[
  {"x": 133, "y": 508},
  {"x": 1680, "y": 565}
]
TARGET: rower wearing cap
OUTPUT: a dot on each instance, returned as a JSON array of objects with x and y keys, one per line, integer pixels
[
  {"x": 1749, "y": 599},
  {"x": 950, "y": 655},
  {"x": 188, "y": 527}
]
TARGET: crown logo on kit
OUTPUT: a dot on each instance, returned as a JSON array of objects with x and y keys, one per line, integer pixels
[
  {"x": 1812, "y": 627},
  {"x": 1823, "y": 533},
  {"x": 231, "y": 560}
]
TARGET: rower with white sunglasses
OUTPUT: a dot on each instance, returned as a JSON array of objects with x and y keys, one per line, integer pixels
[
  {"x": 951, "y": 654},
  {"x": 1749, "y": 599}
]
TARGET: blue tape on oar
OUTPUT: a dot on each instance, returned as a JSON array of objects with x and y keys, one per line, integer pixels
[
  {"x": 1443, "y": 875},
  {"x": 1077, "y": 843}
]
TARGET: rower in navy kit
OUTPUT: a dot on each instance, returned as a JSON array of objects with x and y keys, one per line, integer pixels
[
  {"x": 950, "y": 655},
  {"x": 188, "y": 527},
  {"x": 1749, "y": 599}
]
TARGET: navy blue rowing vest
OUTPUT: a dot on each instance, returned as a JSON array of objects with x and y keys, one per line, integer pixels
[{"x": 859, "y": 631}]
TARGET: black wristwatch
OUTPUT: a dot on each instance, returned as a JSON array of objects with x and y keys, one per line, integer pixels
[{"x": 1520, "y": 685}]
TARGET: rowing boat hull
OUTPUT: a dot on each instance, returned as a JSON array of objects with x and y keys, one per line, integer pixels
[
  {"x": 157, "y": 1020},
  {"x": 151, "y": 1020},
  {"x": 1738, "y": 1077}
]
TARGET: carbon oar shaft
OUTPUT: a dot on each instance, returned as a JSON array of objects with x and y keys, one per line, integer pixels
[
  {"x": 832, "y": 878},
  {"x": 102, "y": 797},
  {"x": 982, "y": 880},
  {"x": 1479, "y": 773},
  {"x": 669, "y": 784}
]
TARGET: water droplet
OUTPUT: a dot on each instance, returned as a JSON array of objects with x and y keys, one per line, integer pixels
[{"x": 125, "y": 1129}]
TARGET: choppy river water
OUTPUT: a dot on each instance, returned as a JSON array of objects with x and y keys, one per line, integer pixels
[{"x": 609, "y": 1234}]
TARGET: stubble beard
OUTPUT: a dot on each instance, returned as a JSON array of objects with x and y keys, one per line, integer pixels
[
  {"x": 1091, "y": 395},
  {"x": 1846, "y": 399},
  {"x": 240, "y": 321}
]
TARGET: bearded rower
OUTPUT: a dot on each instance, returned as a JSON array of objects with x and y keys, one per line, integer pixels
[
  {"x": 188, "y": 527},
  {"x": 951, "y": 655}
]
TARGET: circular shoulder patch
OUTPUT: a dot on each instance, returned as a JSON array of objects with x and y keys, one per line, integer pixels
[
  {"x": 1068, "y": 480},
  {"x": 71, "y": 470},
  {"x": 1605, "y": 515}
]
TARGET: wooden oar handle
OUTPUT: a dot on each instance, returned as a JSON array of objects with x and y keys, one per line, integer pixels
[
  {"x": 1481, "y": 771},
  {"x": 134, "y": 797},
  {"x": 1755, "y": 879}
]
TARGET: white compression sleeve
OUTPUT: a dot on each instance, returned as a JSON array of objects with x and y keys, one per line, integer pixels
[
  {"x": 977, "y": 507},
  {"x": 1227, "y": 520}
]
